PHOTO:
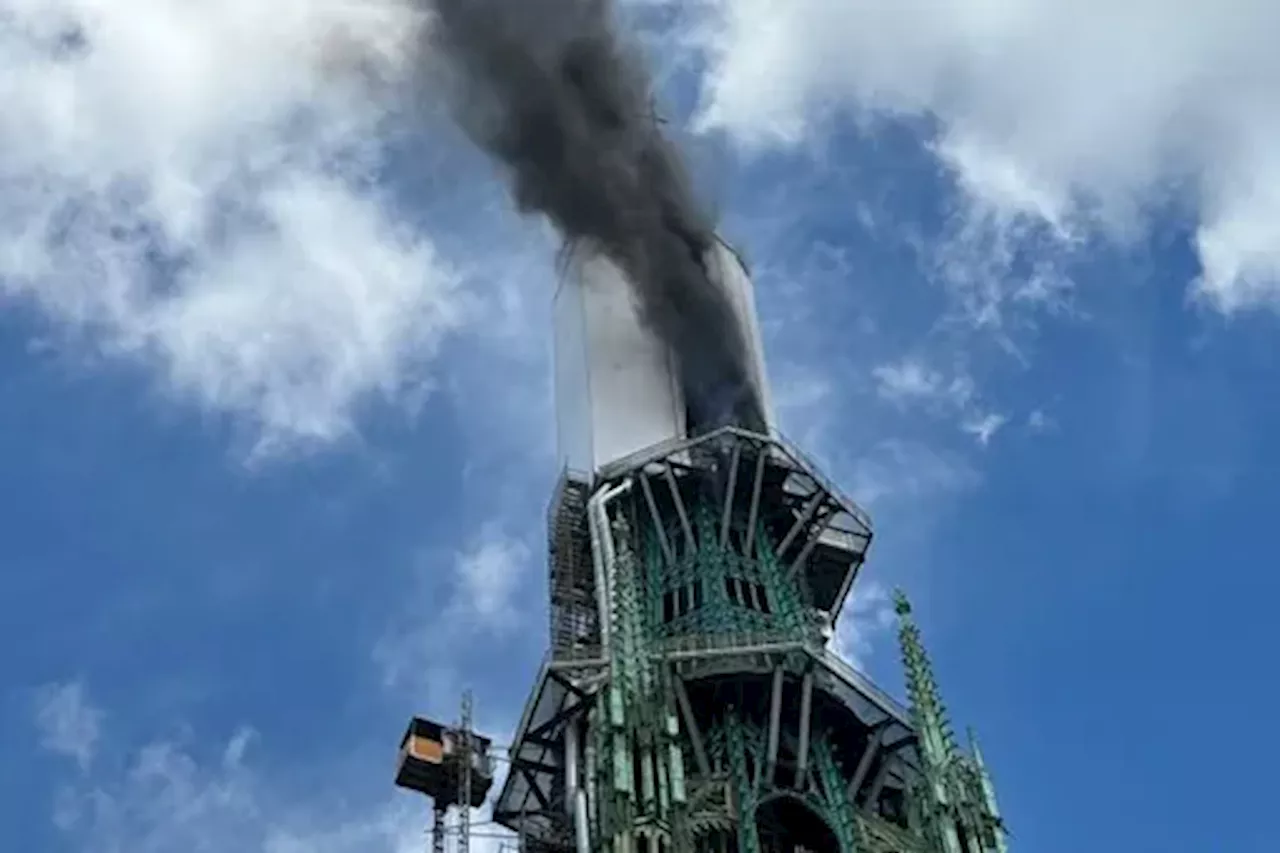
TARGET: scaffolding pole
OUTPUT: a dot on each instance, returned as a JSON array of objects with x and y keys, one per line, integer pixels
[
  {"x": 438, "y": 825},
  {"x": 464, "y": 777}
]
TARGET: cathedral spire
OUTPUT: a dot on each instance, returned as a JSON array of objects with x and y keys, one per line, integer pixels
[
  {"x": 940, "y": 800},
  {"x": 936, "y": 741},
  {"x": 958, "y": 800},
  {"x": 992, "y": 809}
]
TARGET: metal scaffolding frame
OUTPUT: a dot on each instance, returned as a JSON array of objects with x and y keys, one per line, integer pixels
[{"x": 694, "y": 590}]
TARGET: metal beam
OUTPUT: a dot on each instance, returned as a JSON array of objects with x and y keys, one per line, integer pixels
[
  {"x": 507, "y": 814},
  {"x": 878, "y": 785},
  {"x": 729, "y": 651},
  {"x": 868, "y": 756},
  {"x": 749, "y": 545},
  {"x": 657, "y": 519},
  {"x": 568, "y": 685},
  {"x": 803, "y": 521},
  {"x": 543, "y": 741},
  {"x": 577, "y": 665},
  {"x": 691, "y": 726},
  {"x": 811, "y": 542},
  {"x": 561, "y": 716},
  {"x": 806, "y": 713},
  {"x": 684, "y": 516},
  {"x": 899, "y": 743},
  {"x": 731, "y": 493},
  {"x": 849, "y": 577},
  {"x": 534, "y": 787},
  {"x": 530, "y": 766},
  {"x": 775, "y": 724}
]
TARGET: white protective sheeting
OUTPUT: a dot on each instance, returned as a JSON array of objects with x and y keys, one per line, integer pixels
[
  {"x": 727, "y": 267},
  {"x": 617, "y": 386}
]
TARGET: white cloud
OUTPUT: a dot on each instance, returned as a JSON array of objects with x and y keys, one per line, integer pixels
[
  {"x": 869, "y": 616},
  {"x": 984, "y": 427},
  {"x": 487, "y": 574},
  {"x": 167, "y": 795},
  {"x": 1039, "y": 421},
  {"x": 804, "y": 402},
  {"x": 911, "y": 380},
  {"x": 896, "y": 470},
  {"x": 168, "y": 798},
  {"x": 190, "y": 185},
  {"x": 68, "y": 724},
  {"x": 451, "y": 610},
  {"x": 1071, "y": 114}
]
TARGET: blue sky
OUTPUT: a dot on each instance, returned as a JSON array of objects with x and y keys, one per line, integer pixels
[{"x": 276, "y": 434}]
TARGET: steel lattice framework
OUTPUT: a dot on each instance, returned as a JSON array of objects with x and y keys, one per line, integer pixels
[{"x": 690, "y": 700}]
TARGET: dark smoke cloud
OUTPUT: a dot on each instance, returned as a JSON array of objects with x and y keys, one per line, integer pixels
[{"x": 550, "y": 89}]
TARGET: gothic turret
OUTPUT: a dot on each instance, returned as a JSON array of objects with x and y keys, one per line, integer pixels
[{"x": 954, "y": 800}]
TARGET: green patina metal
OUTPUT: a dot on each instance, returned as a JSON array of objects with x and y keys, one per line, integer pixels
[
  {"x": 840, "y": 813},
  {"x": 741, "y": 745},
  {"x": 641, "y": 753},
  {"x": 954, "y": 801},
  {"x": 712, "y": 589},
  {"x": 737, "y": 747}
]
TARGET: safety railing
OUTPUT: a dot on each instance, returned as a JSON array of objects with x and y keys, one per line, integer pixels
[{"x": 776, "y": 441}]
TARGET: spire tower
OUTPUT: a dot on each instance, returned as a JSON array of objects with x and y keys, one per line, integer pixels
[
  {"x": 690, "y": 700},
  {"x": 954, "y": 800}
]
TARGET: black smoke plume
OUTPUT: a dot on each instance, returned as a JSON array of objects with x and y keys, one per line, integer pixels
[{"x": 551, "y": 90}]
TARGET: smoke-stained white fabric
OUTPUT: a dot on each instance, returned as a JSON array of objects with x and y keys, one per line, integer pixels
[{"x": 617, "y": 388}]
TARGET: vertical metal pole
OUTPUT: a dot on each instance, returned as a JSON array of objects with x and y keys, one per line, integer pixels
[
  {"x": 748, "y": 547},
  {"x": 570, "y": 766},
  {"x": 775, "y": 723},
  {"x": 591, "y": 771},
  {"x": 731, "y": 492},
  {"x": 806, "y": 709},
  {"x": 464, "y": 778},
  {"x": 438, "y": 825},
  {"x": 575, "y": 798}
]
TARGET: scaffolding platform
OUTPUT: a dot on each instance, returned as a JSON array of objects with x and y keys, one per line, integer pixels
[{"x": 431, "y": 762}]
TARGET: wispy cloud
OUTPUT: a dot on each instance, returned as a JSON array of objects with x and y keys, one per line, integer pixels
[
  {"x": 870, "y": 618},
  {"x": 895, "y": 470},
  {"x": 1038, "y": 421},
  {"x": 165, "y": 796},
  {"x": 912, "y": 381},
  {"x": 488, "y": 573},
  {"x": 213, "y": 794},
  {"x": 984, "y": 427},
  {"x": 68, "y": 724},
  {"x": 474, "y": 598}
]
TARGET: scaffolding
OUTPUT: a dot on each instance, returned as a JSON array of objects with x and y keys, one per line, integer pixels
[
  {"x": 690, "y": 702},
  {"x": 451, "y": 765}
]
